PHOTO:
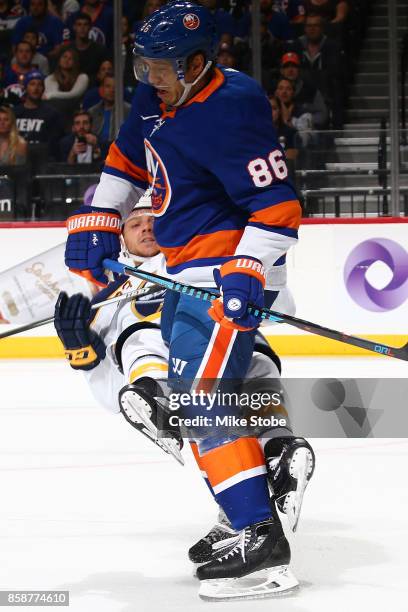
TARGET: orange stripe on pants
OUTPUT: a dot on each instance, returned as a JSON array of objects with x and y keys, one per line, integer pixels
[{"x": 215, "y": 357}]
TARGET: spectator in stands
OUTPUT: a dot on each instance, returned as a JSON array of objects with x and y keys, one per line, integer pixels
[
  {"x": 9, "y": 14},
  {"x": 93, "y": 95},
  {"x": 295, "y": 116},
  {"x": 102, "y": 114},
  {"x": 294, "y": 9},
  {"x": 127, "y": 54},
  {"x": 7, "y": 97},
  {"x": 102, "y": 21},
  {"x": 227, "y": 56},
  {"x": 307, "y": 97},
  {"x": 333, "y": 11},
  {"x": 63, "y": 9},
  {"x": 277, "y": 22},
  {"x": 37, "y": 121},
  {"x": 81, "y": 146},
  {"x": 66, "y": 82},
  {"x": 323, "y": 63},
  {"x": 226, "y": 27},
  {"x": 13, "y": 148},
  {"x": 90, "y": 53},
  {"x": 39, "y": 60},
  {"x": 271, "y": 50},
  {"x": 50, "y": 28},
  {"x": 149, "y": 7},
  {"x": 285, "y": 92},
  {"x": 315, "y": 45},
  {"x": 286, "y": 133},
  {"x": 21, "y": 65},
  {"x": 271, "y": 47},
  {"x": 19, "y": 7}
]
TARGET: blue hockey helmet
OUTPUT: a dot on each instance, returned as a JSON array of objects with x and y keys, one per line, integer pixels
[{"x": 173, "y": 33}]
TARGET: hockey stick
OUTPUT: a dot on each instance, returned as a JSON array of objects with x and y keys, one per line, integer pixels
[
  {"x": 129, "y": 295},
  {"x": 264, "y": 313}
]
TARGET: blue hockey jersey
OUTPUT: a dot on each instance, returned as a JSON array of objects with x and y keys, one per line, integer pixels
[{"x": 218, "y": 174}]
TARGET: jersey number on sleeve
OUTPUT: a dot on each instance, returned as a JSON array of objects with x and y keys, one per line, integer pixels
[{"x": 265, "y": 171}]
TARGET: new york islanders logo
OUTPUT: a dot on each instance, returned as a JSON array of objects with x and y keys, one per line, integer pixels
[
  {"x": 158, "y": 179},
  {"x": 97, "y": 35},
  {"x": 191, "y": 21}
]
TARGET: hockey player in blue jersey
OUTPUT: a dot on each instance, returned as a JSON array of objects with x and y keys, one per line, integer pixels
[{"x": 202, "y": 139}]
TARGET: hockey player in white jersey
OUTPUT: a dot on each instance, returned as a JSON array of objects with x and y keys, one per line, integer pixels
[{"x": 121, "y": 342}]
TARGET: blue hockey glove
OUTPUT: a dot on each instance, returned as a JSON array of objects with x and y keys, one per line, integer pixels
[
  {"x": 93, "y": 235},
  {"x": 84, "y": 349},
  {"x": 241, "y": 281}
]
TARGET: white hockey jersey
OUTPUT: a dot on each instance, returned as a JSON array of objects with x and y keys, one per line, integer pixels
[{"x": 144, "y": 353}]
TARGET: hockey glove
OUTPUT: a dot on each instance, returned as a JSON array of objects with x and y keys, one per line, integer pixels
[
  {"x": 84, "y": 349},
  {"x": 93, "y": 235},
  {"x": 241, "y": 281}
]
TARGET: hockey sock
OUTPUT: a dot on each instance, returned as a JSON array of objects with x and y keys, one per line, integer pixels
[
  {"x": 201, "y": 467},
  {"x": 237, "y": 474}
]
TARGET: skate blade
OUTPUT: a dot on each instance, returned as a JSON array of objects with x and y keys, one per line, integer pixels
[
  {"x": 138, "y": 415},
  {"x": 264, "y": 583},
  {"x": 300, "y": 468},
  {"x": 171, "y": 448}
]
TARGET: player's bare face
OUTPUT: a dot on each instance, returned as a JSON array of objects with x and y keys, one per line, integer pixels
[
  {"x": 164, "y": 79},
  {"x": 138, "y": 236}
]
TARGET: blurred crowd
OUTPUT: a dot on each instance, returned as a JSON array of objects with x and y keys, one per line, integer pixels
[{"x": 57, "y": 85}]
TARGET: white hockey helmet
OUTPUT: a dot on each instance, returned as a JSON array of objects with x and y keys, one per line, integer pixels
[{"x": 143, "y": 206}]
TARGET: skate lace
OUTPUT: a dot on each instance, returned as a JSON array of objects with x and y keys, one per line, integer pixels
[{"x": 242, "y": 540}]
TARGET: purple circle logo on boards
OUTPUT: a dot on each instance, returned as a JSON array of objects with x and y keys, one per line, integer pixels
[{"x": 358, "y": 262}]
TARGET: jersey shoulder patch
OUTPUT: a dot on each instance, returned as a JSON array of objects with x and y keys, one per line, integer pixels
[{"x": 111, "y": 288}]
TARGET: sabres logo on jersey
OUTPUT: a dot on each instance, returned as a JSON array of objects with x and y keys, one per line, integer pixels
[
  {"x": 147, "y": 310},
  {"x": 158, "y": 179},
  {"x": 191, "y": 21}
]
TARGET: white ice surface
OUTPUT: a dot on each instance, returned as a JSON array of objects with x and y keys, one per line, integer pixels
[{"x": 87, "y": 505}]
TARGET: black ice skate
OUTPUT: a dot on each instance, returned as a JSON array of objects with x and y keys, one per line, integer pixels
[
  {"x": 290, "y": 463},
  {"x": 203, "y": 550},
  {"x": 143, "y": 406},
  {"x": 255, "y": 565}
]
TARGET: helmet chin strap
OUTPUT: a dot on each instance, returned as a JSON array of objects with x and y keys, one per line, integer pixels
[
  {"x": 188, "y": 86},
  {"x": 136, "y": 259}
]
